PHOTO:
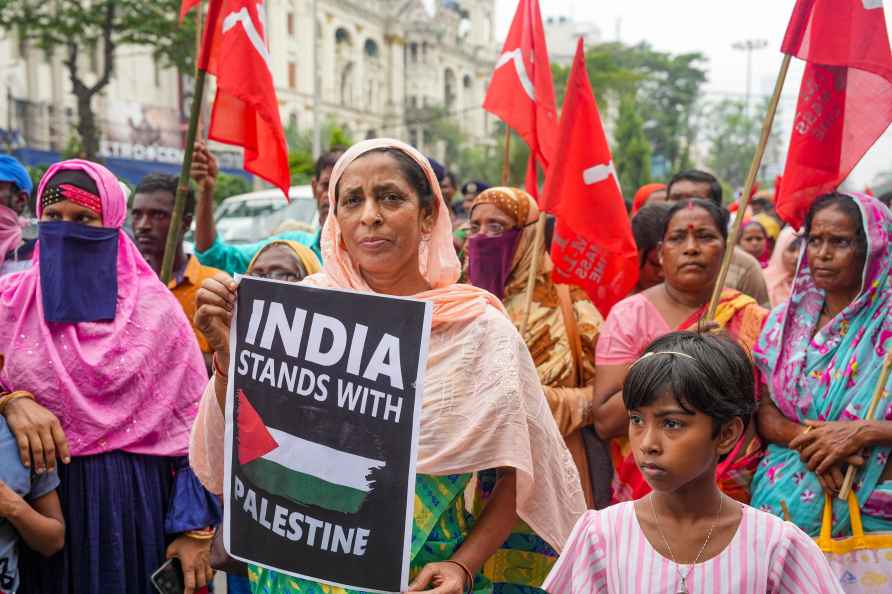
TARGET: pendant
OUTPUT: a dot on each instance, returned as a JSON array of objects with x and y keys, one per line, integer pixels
[{"x": 684, "y": 587}]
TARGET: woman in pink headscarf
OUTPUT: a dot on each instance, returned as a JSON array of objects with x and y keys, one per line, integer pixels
[
  {"x": 106, "y": 374},
  {"x": 483, "y": 406}
]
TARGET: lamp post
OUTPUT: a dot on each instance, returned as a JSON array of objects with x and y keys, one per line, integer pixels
[{"x": 749, "y": 46}]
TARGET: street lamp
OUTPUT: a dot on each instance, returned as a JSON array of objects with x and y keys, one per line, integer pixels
[{"x": 749, "y": 46}]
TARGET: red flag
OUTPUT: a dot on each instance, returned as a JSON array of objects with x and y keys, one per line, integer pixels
[
  {"x": 246, "y": 112},
  {"x": 845, "y": 101},
  {"x": 186, "y": 6},
  {"x": 521, "y": 91},
  {"x": 593, "y": 245}
]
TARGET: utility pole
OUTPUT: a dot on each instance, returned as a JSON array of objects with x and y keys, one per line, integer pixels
[
  {"x": 749, "y": 46},
  {"x": 317, "y": 80}
]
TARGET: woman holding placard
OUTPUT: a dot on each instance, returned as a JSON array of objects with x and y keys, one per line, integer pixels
[{"x": 391, "y": 234}]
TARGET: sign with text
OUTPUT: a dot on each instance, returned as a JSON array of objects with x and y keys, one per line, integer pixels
[{"x": 322, "y": 416}]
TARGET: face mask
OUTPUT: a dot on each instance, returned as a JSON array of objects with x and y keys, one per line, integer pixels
[
  {"x": 10, "y": 231},
  {"x": 78, "y": 272},
  {"x": 490, "y": 259}
]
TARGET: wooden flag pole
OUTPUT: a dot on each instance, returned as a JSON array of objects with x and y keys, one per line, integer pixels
[
  {"x": 871, "y": 413},
  {"x": 506, "y": 162},
  {"x": 744, "y": 200},
  {"x": 176, "y": 219}
]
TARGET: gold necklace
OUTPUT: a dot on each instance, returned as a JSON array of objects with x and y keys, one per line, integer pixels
[{"x": 684, "y": 578}]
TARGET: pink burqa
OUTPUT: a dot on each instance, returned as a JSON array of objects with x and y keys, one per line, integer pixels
[
  {"x": 483, "y": 404},
  {"x": 131, "y": 384}
]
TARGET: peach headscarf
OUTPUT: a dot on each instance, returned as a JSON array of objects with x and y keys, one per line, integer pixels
[
  {"x": 483, "y": 405},
  {"x": 439, "y": 264}
]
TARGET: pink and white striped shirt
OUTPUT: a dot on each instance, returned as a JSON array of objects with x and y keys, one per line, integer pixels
[{"x": 607, "y": 553}]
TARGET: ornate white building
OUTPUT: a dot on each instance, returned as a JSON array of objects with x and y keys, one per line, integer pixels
[{"x": 385, "y": 67}]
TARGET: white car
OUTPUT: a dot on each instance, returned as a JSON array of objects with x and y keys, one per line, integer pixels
[{"x": 251, "y": 217}]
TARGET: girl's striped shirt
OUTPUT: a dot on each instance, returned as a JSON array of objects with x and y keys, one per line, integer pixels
[{"x": 608, "y": 553}]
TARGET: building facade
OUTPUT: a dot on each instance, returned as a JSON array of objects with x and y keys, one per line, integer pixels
[{"x": 373, "y": 67}]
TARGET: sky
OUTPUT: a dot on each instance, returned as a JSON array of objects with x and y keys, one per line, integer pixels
[{"x": 710, "y": 27}]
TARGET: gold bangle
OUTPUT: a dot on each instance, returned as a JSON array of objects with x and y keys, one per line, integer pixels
[
  {"x": 206, "y": 534},
  {"x": 807, "y": 429},
  {"x": 6, "y": 399}
]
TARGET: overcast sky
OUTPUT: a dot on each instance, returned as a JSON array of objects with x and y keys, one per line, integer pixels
[{"x": 710, "y": 27}]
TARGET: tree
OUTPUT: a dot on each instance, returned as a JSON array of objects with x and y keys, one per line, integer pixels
[
  {"x": 731, "y": 140},
  {"x": 300, "y": 148},
  {"x": 631, "y": 154},
  {"x": 86, "y": 32},
  {"x": 667, "y": 88}
]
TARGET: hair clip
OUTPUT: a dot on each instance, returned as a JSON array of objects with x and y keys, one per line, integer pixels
[{"x": 651, "y": 354}]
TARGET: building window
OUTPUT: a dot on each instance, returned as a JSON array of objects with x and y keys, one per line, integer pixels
[
  {"x": 292, "y": 75},
  {"x": 292, "y": 122},
  {"x": 467, "y": 81},
  {"x": 413, "y": 52},
  {"x": 413, "y": 137},
  {"x": 371, "y": 48},
  {"x": 291, "y": 24},
  {"x": 449, "y": 90}
]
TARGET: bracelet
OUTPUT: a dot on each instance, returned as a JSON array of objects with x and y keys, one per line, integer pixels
[
  {"x": 217, "y": 368},
  {"x": 203, "y": 534},
  {"x": 6, "y": 399},
  {"x": 467, "y": 571}
]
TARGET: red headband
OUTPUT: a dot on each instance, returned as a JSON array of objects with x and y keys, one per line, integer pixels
[{"x": 73, "y": 194}]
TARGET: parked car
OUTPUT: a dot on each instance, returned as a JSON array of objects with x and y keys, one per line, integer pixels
[{"x": 251, "y": 217}]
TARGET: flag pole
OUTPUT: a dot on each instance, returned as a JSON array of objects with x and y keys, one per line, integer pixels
[
  {"x": 176, "y": 218},
  {"x": 744, "y": 199},
  {"x": 871, "y": 413},
  {"x": 506, "y": 160}
]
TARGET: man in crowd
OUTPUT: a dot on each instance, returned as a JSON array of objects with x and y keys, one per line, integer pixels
[
  {"x": 745, "y": 273},
  {"x": 15, "y": 192},
  {"x": 151, "y": 211},
  {"x": 211, "y": 250}
]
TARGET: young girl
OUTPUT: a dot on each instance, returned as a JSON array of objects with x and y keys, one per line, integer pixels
[{"x": 689, "y": 398}]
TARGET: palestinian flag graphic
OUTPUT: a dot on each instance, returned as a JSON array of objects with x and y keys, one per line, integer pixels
[{"x": 300, "y": 470}]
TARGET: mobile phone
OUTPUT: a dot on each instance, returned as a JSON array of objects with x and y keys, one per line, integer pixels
[{"x": 168, "y": 579}]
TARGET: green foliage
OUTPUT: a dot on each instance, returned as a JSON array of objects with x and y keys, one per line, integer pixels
[
  {"x": 666, "y": 86},
  {"x": 56, "y": 26},
  {"x": 89, "y": 33},
  {"x": 732, "y": 138},
  {"x": 485, "y": 162},
  {"x": 300, "y": 149},
  {"x": 632, "y": 150},
  {"x": 230, "y": 185}
]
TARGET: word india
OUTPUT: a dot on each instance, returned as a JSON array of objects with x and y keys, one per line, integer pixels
[
  {"x": 298, "y": 527},
  {"x": 327, "y": 345}
]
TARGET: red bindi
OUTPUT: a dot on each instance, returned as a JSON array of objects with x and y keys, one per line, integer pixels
[{"x": 690, "y": 227}]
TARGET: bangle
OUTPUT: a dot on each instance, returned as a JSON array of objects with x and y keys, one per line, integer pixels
[
  {"x": 467, "y": 571},
  {"x": 203, "y": 534},
  {"x": 6, "y": 399},
  {"x": 217, "y": 369},
  {"x": 807, "y": 429}
]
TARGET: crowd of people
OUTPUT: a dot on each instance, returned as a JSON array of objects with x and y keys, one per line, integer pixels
[{"x": 651, "y": 448}]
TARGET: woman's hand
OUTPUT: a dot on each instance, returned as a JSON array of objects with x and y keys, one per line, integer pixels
[
  {"x": 215, "y": 301},
  {"x": 38, "y": 433},
  {"x": 195, "y": 559},
  {"x": 440, "y": 578},
  {"x": 831, "y": 443}
]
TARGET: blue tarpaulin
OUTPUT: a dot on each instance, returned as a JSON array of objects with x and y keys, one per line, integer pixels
[{"x": 129, "y": 170}]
